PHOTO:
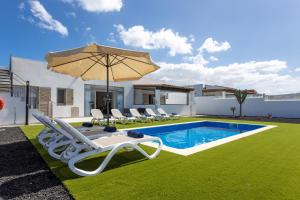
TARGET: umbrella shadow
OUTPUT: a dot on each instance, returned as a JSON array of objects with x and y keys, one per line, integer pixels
[{"x": 119, "y": 160}]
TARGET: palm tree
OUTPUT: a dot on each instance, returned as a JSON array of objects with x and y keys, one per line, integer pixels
[{"x": 240, "y": 97}]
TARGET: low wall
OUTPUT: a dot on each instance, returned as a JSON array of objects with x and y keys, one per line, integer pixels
[
  {"x": 251, "y": 107},
  {"x": 14, "y": 111}
]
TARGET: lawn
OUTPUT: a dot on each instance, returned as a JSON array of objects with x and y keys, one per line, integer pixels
[{"x": 263, "y": 166}]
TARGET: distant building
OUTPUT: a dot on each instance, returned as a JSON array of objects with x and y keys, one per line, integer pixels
[{"x": 217, "y": 91}]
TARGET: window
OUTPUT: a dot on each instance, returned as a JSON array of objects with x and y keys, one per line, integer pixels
[
  {"x": 33, "y": 98},
  {"x": 65, "y": 96},
  {"x": 173, "y": 97},
  {"x": 19, "y": 92},
  {"x": 144, "y": 96},
  {"x": 61, "y": 96}
]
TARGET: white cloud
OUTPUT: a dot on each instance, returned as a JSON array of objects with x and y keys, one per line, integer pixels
[
  {"x": 138, "y": 36},
  {"x": 213, "y": 58},
  {"x": 264, "y": 76},
  {"x": 212, "y": 46},
  {"x": 98, "y": 6},
  {"x": 197, "y": 59},
  {"x": 297, "y": 69},
  {"x": 71, "y": 14},
  {"x": 21, "y": 6},
  {"x": 112, "y": 38},
  {"x": 45, "y": 20},
  {"x": 88, "y": 29}
]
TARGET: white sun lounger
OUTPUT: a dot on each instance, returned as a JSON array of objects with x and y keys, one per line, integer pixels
[
  {"x": 55, "y": 140},
  {"x": 117, "y": 115},
  {"x": 98, "y": 116},
  {"x": 150, "y": 112},
  {"x": 51, "y": 133},
  {"x": 163, "y": 113},
  {"x": 135, "y": 113},
  {"x": 93, "y": 147}
]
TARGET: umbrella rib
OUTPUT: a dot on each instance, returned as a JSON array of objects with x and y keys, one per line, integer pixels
[
  {"x": 125, "y": 57},
  {"x": 131, "y": 59},
  {"x": 130, "y": 67},
  {"x": 74, "y": 61},
  {"x": 88, "y": 69},
  {"x": 98, "y": 61},
  {"x": 119, "y": 61},
  {"x": 111, "y": 62}
]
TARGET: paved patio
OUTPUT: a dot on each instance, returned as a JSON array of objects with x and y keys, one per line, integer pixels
[{"x": 23, "y": 173}]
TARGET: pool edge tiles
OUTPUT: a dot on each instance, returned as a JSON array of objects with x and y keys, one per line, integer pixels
[{"x": 204, "y": 146}]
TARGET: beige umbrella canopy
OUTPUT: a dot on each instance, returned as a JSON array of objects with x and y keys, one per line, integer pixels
[
  {"x": 96, "y": 62},
  {"x": 91, "y": 63}
]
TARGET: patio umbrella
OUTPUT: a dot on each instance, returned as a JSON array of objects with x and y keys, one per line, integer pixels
[{"x": 96, "y": 62}]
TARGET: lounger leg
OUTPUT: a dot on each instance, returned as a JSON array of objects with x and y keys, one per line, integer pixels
[
  {"x": 151, "y": 156},
  {"x": 53, "y": 149},
  {"x": 72, "y": 150},
  {"x": 55, "y": 139},
  {"x": 80, "y": 157},
  {"x": 44, "y": 134},
  {"x": 109, "y": 156}
]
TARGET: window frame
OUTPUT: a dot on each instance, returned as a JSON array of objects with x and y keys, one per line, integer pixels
[
  {"x": 143, "y": 88},
  {"x": 65, "y": 97},
  {"x": 177, "y": 91}
]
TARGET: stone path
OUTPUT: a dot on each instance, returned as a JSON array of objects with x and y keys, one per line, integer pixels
[{"x": 23, "y": 173}]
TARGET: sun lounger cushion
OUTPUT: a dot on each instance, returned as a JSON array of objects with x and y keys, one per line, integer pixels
[
  {"x": 134, "y": 134},
  {"x": 110, "y": 129}
]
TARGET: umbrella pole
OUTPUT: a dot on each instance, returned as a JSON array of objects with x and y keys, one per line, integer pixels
[{"x": 107, "y": 91}]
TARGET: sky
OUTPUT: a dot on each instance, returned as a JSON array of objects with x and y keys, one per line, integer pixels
[{"x": 249, "y": 44}]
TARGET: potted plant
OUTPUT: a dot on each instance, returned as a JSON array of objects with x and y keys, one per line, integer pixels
[{"x": 232, "y": 109}]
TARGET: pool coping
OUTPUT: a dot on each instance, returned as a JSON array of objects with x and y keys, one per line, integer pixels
[{"x": 205, "y": 146}]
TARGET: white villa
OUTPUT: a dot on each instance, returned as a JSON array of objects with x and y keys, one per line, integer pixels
[{"x": 58, "y": 95}]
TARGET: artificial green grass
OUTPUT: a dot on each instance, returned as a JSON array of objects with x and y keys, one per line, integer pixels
[{"x": 262, "y": 166}]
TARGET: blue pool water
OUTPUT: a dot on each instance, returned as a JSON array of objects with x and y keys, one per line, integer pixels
[{"x": 182, "y": 136}]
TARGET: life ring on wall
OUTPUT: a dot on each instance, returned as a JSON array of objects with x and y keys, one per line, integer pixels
[{"x": 2, "y": 103}]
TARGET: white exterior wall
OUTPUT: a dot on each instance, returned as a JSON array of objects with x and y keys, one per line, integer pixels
[
  {"x": 251, "y": 107},
  {"x": 37, "y": 74},
  {"x": 179, "y": 109}
]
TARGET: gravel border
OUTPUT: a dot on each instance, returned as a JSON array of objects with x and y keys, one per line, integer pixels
[{"x": 23, "y": 173}]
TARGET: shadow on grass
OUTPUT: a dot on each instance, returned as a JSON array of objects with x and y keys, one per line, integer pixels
[{"x": 121, "y": 159}]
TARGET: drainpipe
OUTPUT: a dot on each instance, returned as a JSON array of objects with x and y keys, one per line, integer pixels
[{"x": 27, "y": 103}]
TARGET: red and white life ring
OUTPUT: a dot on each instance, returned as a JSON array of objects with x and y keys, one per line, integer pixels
[{"x": 2, "y": 103}]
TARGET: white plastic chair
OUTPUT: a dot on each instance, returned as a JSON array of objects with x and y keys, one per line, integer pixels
[
  {"x": 163, "y": 113},
  {"x": 95, "y": 147},
  {"x": 55, "y": 139},
  {"x": 116, "y": 113},
  {"x": 150, "y": 112},
  {"x": 135, "y": 113},
  {"x": 97, "y": 116}
]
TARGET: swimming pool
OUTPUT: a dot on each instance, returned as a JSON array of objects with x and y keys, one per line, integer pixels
[{"x": 187, "y": 136}]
